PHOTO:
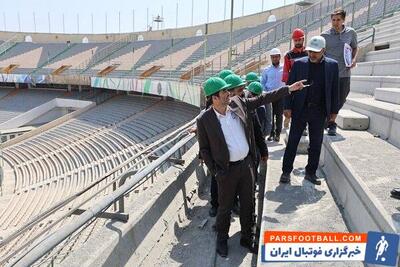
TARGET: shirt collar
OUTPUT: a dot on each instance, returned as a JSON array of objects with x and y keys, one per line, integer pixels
[
  {"x": 322, "y": 60},
  {"x": 273, "y": 67},
  {"x": 219, "y": 115},
  {"x": 335, "y": 32},
  {"x": 298, "y": 50}
]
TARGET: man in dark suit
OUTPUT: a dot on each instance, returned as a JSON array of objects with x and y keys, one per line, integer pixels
[
  {"x": 311, "y": 106},
  {"x": 227, "y": 146}
]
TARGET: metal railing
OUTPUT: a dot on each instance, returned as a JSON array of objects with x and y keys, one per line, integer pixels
[
  {"x": 42, "y": 242},
  {"x": 104, "y": 54},
  {"x": 52, "y": 59},
  {"x": 316, "y": 18},
  {"x": 10, "y": 43}
]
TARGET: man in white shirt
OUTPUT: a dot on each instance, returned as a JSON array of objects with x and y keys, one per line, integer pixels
[{"x": 227, "y": 146}]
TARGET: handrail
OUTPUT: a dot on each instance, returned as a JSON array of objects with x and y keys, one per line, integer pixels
[
  {"x": 369, "y": 36},
  {"x": 104, "y": 53},
  {"x": 51, "y": 60},
  {"x": 7, "y": 45},
  {"x": 273, "y": 27}
]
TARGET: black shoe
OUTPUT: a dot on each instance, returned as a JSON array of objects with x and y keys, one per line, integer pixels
[
  {"x": 249, "y": 244},
  {"x": 313, "y": 179},
  {"x": 270, "y": 138},
  {"x": 212, "y": 212},
  {"x": 277, "y": 137},
  {"x": 222, "y": 248},
  {"x": 285, "y": 178},
  {"x": 395, "y": 193},
  {"x": 332, "y": 129}
]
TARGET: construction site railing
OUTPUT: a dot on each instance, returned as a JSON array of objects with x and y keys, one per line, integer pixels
[{"x": 43, "y": 242}]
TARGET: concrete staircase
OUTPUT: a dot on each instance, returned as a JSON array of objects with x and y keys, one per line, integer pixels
[{"x": 362, "y": 166}]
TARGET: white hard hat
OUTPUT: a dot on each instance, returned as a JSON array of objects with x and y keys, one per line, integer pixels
[
  {"x": 316, "y": 44},
  {"x": 275, "y": 51}
]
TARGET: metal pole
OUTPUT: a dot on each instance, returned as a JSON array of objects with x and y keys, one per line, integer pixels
[
  {"x": 384, "y": 8},
  {"x": 48, "y": 20},
  {"x": 147, "y": 19},
  {"x": 77, "y": 21},
  {"x": 119, "y": 21},
  {"x": 92, "y": 23},
  {"x": 133, "y": 61},
  {"x": 208, "y": 11},
  {"x": 34, "y": 21},
  {"x": 205, "y": 53},
  {"x": 230, "y": 37},
  {"x": 19, "y": 22},
  {"x": 162, "y": 16},
  {"x": 133, "y": 20},
  {"x": 369, "y": 11},
  {"x": 225, "y": 10},
  {"x": 352, "y": 15},
  {"x": 106, "y": 22},
  {"x": 176, "y": 20},
  {"x": 242, "y": 8},
  {"x": 262, "y": 5},
  {"x": 4, "y": 21},
  {"x": 63, "y": 23},
  {"x": 192, "y": 12}
]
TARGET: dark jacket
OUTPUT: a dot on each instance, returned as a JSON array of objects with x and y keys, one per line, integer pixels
[
  {"x": 212, "y": 145},
  {"x": 259, "y": 136},
  {"x": 296, "y": 100}
]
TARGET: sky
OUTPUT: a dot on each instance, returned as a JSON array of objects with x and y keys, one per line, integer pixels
[{"x": 23, "y": 15}]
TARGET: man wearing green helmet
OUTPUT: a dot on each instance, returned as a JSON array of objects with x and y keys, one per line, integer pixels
[
  {"x": 227, "y": 146},
  {"x": 252, "y": 77},
  {"x": 223, "y": 73}
]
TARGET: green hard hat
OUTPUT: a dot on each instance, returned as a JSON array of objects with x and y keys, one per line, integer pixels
[
  {"x": 255, "y": 88},
  {"x": 234, "y": 80},
  {"x": 252, "y": 77},
  {"x": 223, "y": 73},
  {"x": 214, "y": 85}
]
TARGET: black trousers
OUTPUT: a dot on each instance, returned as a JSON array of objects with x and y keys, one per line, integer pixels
[
  {"x": 214, "y": 192},
  {"x": 238, "y": 179},
  {"x": 344, "y": 90},
  {"x": 277, "y": 117},
  {"x": 315, "y": 118}
]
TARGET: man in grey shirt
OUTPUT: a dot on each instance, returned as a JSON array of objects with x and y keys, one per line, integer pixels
[{"x": 336, "y": 38}]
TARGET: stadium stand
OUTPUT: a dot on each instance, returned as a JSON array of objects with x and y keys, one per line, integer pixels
[{"x": 12, "y": 103}]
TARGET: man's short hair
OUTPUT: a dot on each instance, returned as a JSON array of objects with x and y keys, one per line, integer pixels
[{"x": 340, "y": 12}]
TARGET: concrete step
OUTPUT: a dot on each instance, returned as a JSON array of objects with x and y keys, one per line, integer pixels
[
  {"x": 291, "y": 206},
  {"x": 377, "y": 68},
  {"x": 384, "y": 118},
  {"x": 390, "y": 95},
  {"x": 385, "y": 54},
  {"x": 381, "y": 29},
  {"x": 367, "y": 84},
  {"x": 363, "y": 169},
  {"x": 390, "y": 41},
  {"x": 350, "y": 120}
]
